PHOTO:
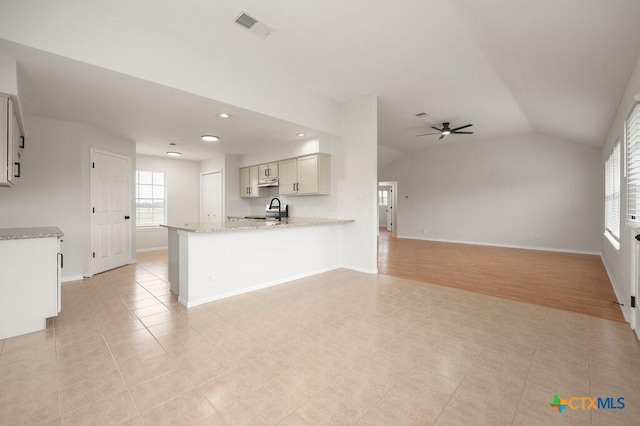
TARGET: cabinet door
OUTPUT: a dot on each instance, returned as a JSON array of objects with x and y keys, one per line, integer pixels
[
  {"x": 253, "y": 182},
  {"x": 307, "y": 175},
  {"x": 4, "y": 132},
  {"x": 263, "y": 171},
  {"x": 15, "y": 144},
  {"x": 12, "y": 154},
  {"x": 287, "y": 170},
  {"x": 273, "y": 170},
  {"x": 244, "y": 183}
]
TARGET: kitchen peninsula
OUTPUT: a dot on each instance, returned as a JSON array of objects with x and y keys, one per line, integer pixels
[{"x": 210, "y": 261}]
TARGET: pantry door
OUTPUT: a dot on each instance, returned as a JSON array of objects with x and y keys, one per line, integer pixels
[
  {"x": 110, "y": 211},
  {"x": 211, "y": 197}
]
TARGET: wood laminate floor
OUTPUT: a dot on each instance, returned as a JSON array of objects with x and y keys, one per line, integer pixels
[{"x": 571, "y": 282}]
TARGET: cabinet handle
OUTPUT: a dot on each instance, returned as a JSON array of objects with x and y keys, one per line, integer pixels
[
  {"x": 22, "y": 142},
  {"x": 294, "y": 186},
  {"x": 18, "y": 175},
  {"x": 61, "y": 261}
]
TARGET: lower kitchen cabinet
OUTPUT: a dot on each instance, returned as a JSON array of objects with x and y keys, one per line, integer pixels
[{"x": 30, "y": 262}]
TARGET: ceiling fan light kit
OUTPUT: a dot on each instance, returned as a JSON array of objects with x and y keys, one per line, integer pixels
[{"x": 446, "y": 130}]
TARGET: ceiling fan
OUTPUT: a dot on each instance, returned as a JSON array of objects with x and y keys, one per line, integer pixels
[{"x": 448, "y": 131}]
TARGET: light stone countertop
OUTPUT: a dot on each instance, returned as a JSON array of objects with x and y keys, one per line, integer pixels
[
  {"x": 239, "y": 225},
  {"x": 26, "y": 233}
]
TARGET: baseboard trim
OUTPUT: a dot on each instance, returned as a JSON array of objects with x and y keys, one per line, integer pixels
[
  {"x": 71, "y": 278},
  {"x": 363, "y": 270},
  {"x": 255, "y": 287},
  {"x": 624, "y": 309},
  {"x": 151, "y": 249},
  {"x": 476, "y": 243}
]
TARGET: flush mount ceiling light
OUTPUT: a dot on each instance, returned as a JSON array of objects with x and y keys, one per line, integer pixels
[
  {"x": 174, "y": 154},
  {"x": 224, "y": 115},
  {"x": 210, "y": 138},
  {"x": 300, "y": 134}
]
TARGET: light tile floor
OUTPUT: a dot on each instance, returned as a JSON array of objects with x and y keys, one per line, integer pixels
[{"x": 338, "y": 348}]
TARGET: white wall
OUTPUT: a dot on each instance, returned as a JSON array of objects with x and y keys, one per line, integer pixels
[
  {"x": 55, "y": 187},
  {"x": 619, "y": 263},
  {"x": 524, "y": 191},
  {"x": 183, "y": 196},
  {"x": 357, "y": 182}
]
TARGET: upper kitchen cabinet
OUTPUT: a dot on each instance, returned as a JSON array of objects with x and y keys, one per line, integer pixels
[
  {"x": 268, "y": 170},
  {"x": 10, "y": 143},
  {"x": 249, "y": 182},
  {"x": 308, "y": 175}
]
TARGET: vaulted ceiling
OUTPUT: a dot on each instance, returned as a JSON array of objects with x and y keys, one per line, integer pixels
[{"x": 553, "y": 67}]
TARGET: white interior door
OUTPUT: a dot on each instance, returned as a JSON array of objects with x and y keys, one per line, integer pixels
[
  {"x": 110, "y": 211},
  {"x": 211, "y": 197},
  {"x": 390, "y": 210}
]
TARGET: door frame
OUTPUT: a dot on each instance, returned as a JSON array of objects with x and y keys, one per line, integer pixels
[
  {"x": 222, "y": 193},
  {"x": 394, "y": 202},
  {"x": 92, "y": 152}
]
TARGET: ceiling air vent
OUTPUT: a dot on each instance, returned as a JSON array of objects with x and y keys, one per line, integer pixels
[
  {"x": 256, "y": 27},
  {"x": 422, "y": 114},
  {"x": 246, "y": 21}
]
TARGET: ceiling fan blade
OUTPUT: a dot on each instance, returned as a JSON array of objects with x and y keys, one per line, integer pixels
[
  {"x": 461, "y": 127},
  {"x": 461, "y": 133},
  {"x": 440, "y": 130},
  {"x": 428, "y": 134},
  {"x": 441, "y": 137}
]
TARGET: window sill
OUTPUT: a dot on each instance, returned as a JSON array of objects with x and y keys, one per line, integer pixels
[
  {"x": 615, "y": 243},
  {"x": 149, "y": 228}
]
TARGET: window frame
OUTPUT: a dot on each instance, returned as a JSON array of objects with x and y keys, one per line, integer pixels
[
  {"x": 632, "y": 165},
  {"x": 384, "y": 197},
  {"x": 612, "y": 194},
  {"x": 154, "y": 224}
]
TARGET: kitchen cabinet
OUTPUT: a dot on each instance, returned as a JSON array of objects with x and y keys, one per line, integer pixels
[
  {"x": 308, "y": 175},
  {"x": 249, "y": 182},
  {"x": 10, "y": 143},
  {"x": 268, "y": 170},
  {"x": 30, "y": 262}
]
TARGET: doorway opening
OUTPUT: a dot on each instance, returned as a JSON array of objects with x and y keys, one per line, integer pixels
[{"x": 387, "y": 210}]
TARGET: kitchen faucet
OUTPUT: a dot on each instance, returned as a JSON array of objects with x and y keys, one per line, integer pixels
[{"x": 279, "y": 204}]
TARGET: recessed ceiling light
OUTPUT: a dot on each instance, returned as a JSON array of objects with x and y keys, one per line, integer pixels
[
  {"x": 174, "y": 154},
  {"x": 210, "y": 138},
  {"x": 224, "y": 115},
  {"x": 300, "y": 134}
]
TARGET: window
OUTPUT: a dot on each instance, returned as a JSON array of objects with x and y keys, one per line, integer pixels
[
  {"x": 383, "y": 197},
  {"x": 150, "y": 198},
  {"x": 632, "y": 138},
  {"x": 612, "y": 192}
]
